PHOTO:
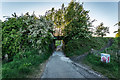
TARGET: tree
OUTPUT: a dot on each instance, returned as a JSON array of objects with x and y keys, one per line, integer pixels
[
  {"x": 73, "y": 20},
  {"x": 78, "y": 22},
  {"x": 57, "y": 16},
  {"x": 117, "y": 32},
  {"x": 101, "y": 30},
  {"x": 20, "y": 33}
]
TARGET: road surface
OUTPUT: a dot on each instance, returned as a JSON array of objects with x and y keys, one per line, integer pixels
[{"x": 60, "y": 66}]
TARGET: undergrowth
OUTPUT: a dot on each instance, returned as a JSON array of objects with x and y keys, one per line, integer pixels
[
  {"x": 83, "y": 45},
  {"x": 22, "y": 64},
  {"x": 109, "y": 70}
]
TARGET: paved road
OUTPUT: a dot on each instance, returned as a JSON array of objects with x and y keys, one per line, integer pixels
[{"x": 60, "y": 66}]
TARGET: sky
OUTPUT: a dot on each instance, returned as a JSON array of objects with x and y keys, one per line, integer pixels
[
  {"x": 106, "y": 12},
  {"x": 119, "y": 11}
]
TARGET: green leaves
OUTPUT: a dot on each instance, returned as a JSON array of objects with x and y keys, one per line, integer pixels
[
  {"x": 19, "y": 32},
  {"x": 71, "y": 21},
  {"x": 78, "y": 22},
  {"x": 39, "y": 32},
  {"x": 101, "y": 30}
]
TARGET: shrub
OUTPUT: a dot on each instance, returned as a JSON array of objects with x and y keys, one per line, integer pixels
[
  {"x": 24, "y": 69},
  {"x": 20, "y": 67},
  {"x": 21, "y": 33},
  {"x": 83, "y": 45}
]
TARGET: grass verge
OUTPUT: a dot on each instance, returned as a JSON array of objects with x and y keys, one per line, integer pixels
[
  {"x": 23, "y": 65},
  {"x": 109, "y": 70},
  {"x": 81, "y": 46},
  {"x": 0, "y": 70}
]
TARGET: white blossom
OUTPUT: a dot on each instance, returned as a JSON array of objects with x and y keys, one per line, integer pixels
[
  {"x": 39, "y": 42},
  {"x": 40, "y": 51}
]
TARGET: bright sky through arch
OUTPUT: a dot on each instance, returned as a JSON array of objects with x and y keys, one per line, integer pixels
[{"x": 106, "y": 12}]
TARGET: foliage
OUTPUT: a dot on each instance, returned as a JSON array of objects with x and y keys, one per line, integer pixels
[
  {"x": 114, "y": 46},
  {"x": 41, "y": 33},
  {"x": 0, "y": 69},
  {"x": 118, "y": 33},
  {"x": 25, "y": 31},
  {"x": 101, "y": 30},
  {"x": 117, "y": 24},
  {"x": 83, "y": 45},
  {"x": 57, "y": 16},
  {"x": 57, "y": 42},
  {"x": 25, "y": 64},
  {"x": 26, "y": 40},
  {"x": 78, "y": 22},
  {"x": 110, "y": 69},
  {"x": 73, "y": 21},
  {"x": 113, "y": 50},
  {"x": 0, "y": 39}
]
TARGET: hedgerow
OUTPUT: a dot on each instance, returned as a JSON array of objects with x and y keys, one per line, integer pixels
[
  {"x": 25, "y": 31},
  {"x": 26, "y": 40}
]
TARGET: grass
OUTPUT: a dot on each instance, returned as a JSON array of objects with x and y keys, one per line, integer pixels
[
  {"x": 23, "y": 65},
  {"x": 57, "y": 42},
  {"x": 81, "y": 46},
  {"x": 0, "y": 70},
  {"x": 111, "y": 70},
  {"x": 107, "y": 69}
]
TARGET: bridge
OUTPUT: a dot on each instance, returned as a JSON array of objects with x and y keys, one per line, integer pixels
[{"x": 58, "y": 35}]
